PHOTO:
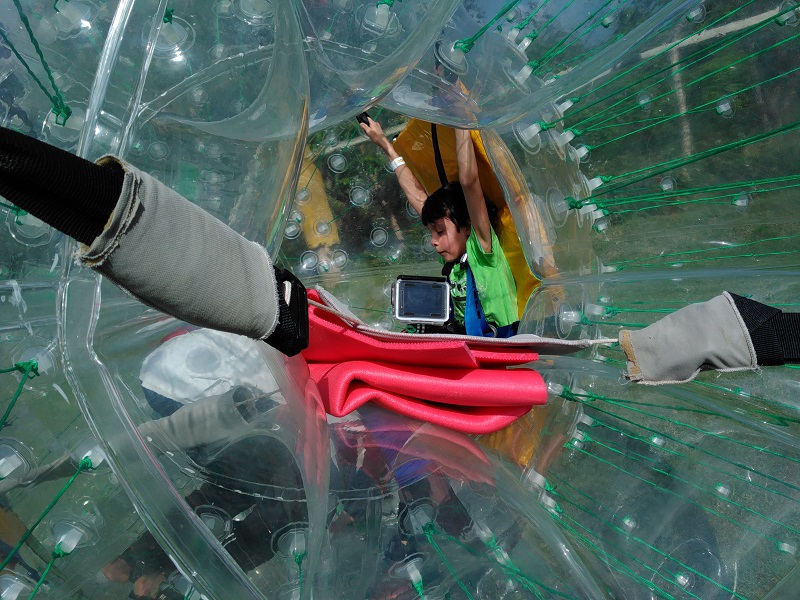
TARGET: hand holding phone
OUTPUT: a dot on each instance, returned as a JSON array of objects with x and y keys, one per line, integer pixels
[{"x": 363, "y": 118}]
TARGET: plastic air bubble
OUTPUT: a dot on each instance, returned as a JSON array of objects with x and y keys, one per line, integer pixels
[
  {"x": 158, "y": 150},
  {"x": 563, "y": 138},
  {"x": 645, "y": 101},
  {"x": 12, "y": 462},
  {"x": 376, "y": 18},
  {"x": 528, "y": 136},
  {"x": 722, "y": 489},
  {"x": 601, "y": 224},
  {"x": 72, "y": 17},
  {"x": 521, "y": 76},
  {"x": 331, "y": 139},
  {"x": 217, "y": 520},
  {"x": 554, "y": 389},
  {"x": 451, "y": 57},
  {"x": 567, "y": 319},
  {"x": 322, "y": 228},
  {"x": 174, "y": 39},
  {"x": 558, "y": 206},
  {"x": 788, "y": 548},
  {"x": 309, "y": 260},
  {"x": 549, "y": 503},
  {"x": 291, "y": 541},
  {"x": 42, "y": 353},
  {"x": 628, "y": 524},
  {"x": 359, "y": 196},
  {"x": 90, "y": 449},
  {"x": 256, "y": 10},
  {"x": 302, "y": 196},
  {"x": 339, "y": 259},
  {"x": 582, "y": 153},
  {"x": 337, "y": 163},
  {"x": 70, "y": 131},
  {"x": 15, "y": 587},
  {"x": 379, "y": 237},
  {"x": 657, "y": 440},
  {"x": 28, "y": 230},
  {"x": 408, "y": 569},
  {"x": 725, "y": 108},
  {"x": 69, "y": 536},
  {"x": 564, "y": 107},
  {"x": 792, "y": 17},
  {"x": 607, "y": 21},
  {"x": 668, "y": 184},
  {"x": 697, "y": 14},
  {"x": 743, "y": 200},
  {"x": 523, "y": 45}
]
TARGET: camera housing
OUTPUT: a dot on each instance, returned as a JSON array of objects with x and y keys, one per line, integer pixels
[{"x": 423, "y": 300}]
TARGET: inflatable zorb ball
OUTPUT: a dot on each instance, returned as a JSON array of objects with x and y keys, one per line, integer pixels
[{"x": 643, "y": 159}]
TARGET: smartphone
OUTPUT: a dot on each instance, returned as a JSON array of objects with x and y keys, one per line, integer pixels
[
  {"x": 363, "y": 118},
  {"x": 421, "y": 299}
]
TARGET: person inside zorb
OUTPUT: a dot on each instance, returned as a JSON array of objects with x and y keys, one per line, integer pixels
[{"x": 482, "y": 287}]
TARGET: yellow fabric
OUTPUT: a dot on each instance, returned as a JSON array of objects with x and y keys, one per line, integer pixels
[
  {"x": 415, "y": 145},
  {"x": 519, "y": 441},
  {"x": 317, "y": 208}
]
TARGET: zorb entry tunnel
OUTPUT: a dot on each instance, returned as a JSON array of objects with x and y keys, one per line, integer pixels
[{"x": 642, "y": 155}]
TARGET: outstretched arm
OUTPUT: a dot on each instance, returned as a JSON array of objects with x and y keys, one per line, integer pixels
[
  {"x": 468, "y": 178},
  {"x": 129, "y": 222},
  {"x": 410, "y": 185}
]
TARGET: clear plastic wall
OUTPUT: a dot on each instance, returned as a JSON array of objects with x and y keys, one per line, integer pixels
[{"x": 646, "y": 153}]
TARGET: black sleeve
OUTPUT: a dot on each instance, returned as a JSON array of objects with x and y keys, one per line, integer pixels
[
  {"x": 68, "y": 193},
  {"x": 774, "y": 333}
]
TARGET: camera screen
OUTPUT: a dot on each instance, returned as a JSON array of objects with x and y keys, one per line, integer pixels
[{"x": 423, "y": 299}]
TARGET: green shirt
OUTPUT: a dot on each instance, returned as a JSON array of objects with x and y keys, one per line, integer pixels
[{"x": 493, "y": 279}]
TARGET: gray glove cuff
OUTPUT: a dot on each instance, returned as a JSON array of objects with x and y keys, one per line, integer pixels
[
  {"x": 174, "y": 256},
  {"x": 708, "y": 335},
  {"x": 206, "y": 421}
]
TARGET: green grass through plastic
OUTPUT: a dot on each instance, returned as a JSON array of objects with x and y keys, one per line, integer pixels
[
  {"x": 553, "y": 52},
  {"x": 670, "y": 475},
  {"x": 747, "y": 467},
  {"x": 663, "y": 167},
  {"x": 687, "y": 458},
  {"x": 637, "y": 261},
  {"x": 647, "y": 61},
  {"x": 638, "y": 540}
]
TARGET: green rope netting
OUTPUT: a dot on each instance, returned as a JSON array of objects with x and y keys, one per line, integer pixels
[
  {"x": 60, "y": 107},
  {"x": 84, "y": 465},
  {"x": 29, "y": 369}
]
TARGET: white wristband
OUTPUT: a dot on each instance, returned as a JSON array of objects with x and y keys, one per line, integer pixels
[{"x": 395, "y": 164}]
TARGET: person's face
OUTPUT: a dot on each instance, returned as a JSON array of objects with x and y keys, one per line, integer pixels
[{"x": 447, "y": 240}]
